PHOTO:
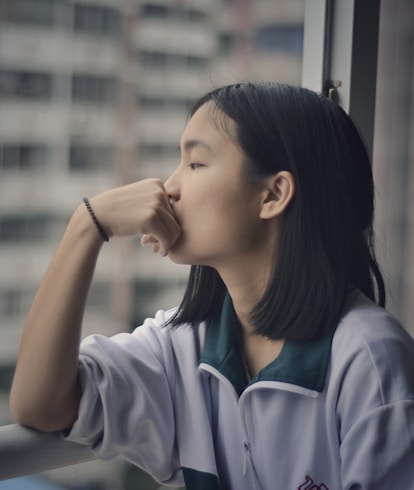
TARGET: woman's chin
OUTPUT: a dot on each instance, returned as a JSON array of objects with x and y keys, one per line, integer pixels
[{"x": 178, "y": 255}]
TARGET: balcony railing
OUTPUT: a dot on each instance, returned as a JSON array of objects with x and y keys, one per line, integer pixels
[{"x": 25, "y": 452}]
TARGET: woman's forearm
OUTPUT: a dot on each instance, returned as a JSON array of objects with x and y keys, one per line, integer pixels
[{"x": 45, "y": 392}]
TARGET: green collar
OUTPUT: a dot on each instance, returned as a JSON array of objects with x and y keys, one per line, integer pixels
[{"x": 303, "y": 364}]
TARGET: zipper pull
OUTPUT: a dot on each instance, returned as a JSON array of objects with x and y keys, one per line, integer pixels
[{"x": 246, "y": 446}]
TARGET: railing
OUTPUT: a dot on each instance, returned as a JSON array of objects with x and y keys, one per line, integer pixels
[{"x": 25, "y": 451}]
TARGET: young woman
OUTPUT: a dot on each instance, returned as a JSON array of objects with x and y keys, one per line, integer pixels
[{"x": 278, "y": 370}]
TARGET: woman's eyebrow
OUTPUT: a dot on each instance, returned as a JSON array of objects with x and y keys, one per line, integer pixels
[{"x": 193, "y": 143}]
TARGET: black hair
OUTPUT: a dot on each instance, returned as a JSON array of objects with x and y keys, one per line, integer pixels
[{"x": 326, "y": 245}]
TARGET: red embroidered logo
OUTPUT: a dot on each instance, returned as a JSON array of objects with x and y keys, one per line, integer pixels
[{"x": 309, "y": 484}]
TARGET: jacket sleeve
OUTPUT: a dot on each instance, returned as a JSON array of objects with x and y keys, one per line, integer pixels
[
  {"x": 378, "y": 452},
  {"x": 127, "y": 403},
  {"x": 375, "y": 404}
]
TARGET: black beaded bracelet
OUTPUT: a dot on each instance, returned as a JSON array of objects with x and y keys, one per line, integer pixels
[{"x": 95, "y": 219}]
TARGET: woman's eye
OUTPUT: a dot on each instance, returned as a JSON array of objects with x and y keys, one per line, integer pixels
[{"x": 194, "y": 166}]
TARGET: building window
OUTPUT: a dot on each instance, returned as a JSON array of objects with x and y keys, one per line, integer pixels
[
  {"x": 89, "y": 158},
  {"x": 31, "y": 12},
  {"x": 98, "y": 21},
  {"x": 161, "y": 59},
  {"x": 93, "y": 89},
  {"x": 6, "y": 376},
  {"x": 25, "y": 85},
  {"x": 153, "y": 11},
  {"x": 158, "y": 150},
  {"x": 288, "y": 39},
  {"x": 165, "y": 103},
  {"x": 10, "y": 302},
  {"x": 22, "y": 157},
  {"x": 20, "y": 229}
]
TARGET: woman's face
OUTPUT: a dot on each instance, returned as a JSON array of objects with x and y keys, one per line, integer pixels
[{"x": 215, "y": 203}]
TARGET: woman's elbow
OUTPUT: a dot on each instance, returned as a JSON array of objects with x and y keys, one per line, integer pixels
[{"x": 44, "y": 418}]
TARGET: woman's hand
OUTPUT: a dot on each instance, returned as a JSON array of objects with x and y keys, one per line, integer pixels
[{"x": 139, "y": 208}]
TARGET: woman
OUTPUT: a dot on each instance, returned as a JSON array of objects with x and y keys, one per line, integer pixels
[{"x": 278, "y": 371}]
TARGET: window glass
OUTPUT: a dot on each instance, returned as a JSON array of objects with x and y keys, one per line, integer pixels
[
  {"x": 162, "y": 59},
  {"x": 31, "y": 12},
  {"x": 90, "y": 158},
  {"x": 10, "y": 301},
  {"x": 93, "y": 20},
  {"x": 163, "y": 102},
  {"x": 21, "y": 229},
  {"x": 93, "y": 89},
  {"x": 22, "y": 157},
  {"x": 25, "y": 84},
  {"x": 157, "y": 150},
  {"x": 274, "y": 38},
  {"x": 157, "y": 11}
]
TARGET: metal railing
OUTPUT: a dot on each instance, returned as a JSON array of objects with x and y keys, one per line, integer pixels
[{"x": 25, "y": 451}]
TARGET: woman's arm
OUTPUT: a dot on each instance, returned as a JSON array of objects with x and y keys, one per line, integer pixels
[{"x": 45, "y": 393}]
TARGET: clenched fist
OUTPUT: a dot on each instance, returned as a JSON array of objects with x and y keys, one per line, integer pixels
[{"x": 139, "y": 208}]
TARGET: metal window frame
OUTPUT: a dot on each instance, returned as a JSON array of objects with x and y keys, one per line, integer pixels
[{"x": 340, "y": 56}]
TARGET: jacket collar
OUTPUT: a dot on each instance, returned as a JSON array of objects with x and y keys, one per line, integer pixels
[{"x": 302, "y": 364}]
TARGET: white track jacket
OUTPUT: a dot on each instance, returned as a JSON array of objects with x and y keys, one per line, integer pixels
[{"x": 336, "y": 413}]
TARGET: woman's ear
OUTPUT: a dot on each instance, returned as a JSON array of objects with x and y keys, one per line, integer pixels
[{"x": 278, "y": 193}]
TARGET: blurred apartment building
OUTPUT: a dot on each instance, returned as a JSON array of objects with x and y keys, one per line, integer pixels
[{"x": 93, "y": 94}]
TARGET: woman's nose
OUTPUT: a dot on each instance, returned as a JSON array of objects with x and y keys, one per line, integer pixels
[{"x": 172, "y": 187}]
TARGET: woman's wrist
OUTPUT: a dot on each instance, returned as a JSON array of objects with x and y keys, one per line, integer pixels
[
  {"x": 83, "y": 227},
  {"x": 95, "y": 220}
]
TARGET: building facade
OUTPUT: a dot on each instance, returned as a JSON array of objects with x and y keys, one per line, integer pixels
[{"x": 93, "y": 95}]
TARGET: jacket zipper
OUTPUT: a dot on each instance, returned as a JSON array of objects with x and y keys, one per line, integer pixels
[{"x": 246, "y": 446}]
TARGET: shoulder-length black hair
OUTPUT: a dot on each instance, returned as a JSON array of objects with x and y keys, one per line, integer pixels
[{"x": 326, "y": 242}]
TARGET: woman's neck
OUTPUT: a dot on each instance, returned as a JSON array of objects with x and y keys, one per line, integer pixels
[{"x": 246, "y": 289}]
